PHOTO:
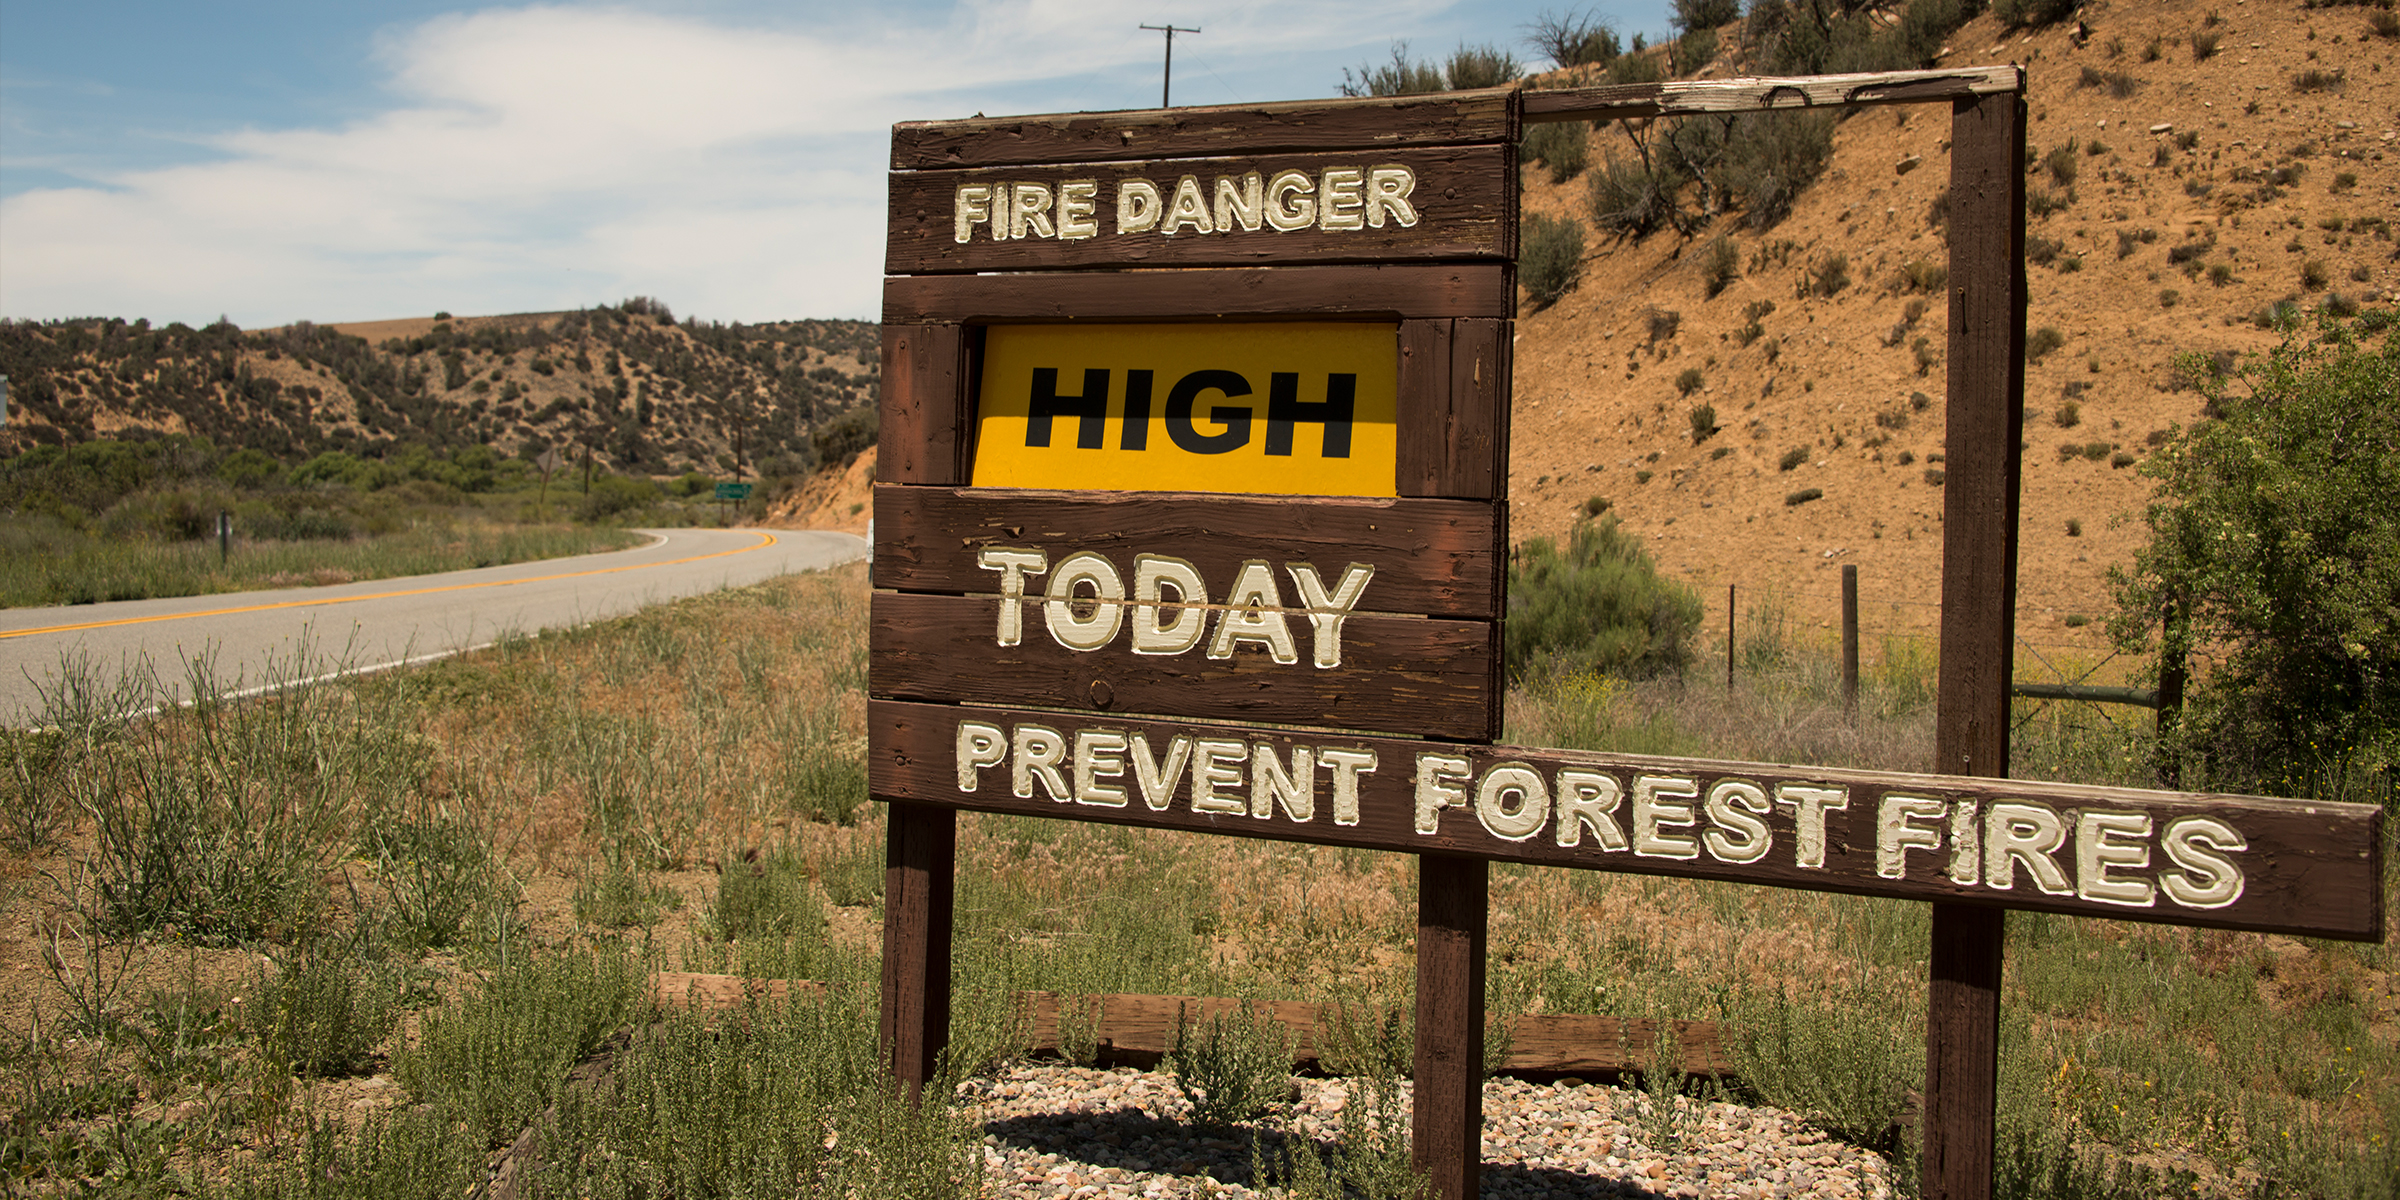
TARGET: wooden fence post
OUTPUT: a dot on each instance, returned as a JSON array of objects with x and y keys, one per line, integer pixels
[
  {"x": 920, "y": 852},
  {"x": 1453, "y": 899},
  {"x": 1850, "y": 640},
  {"x": 1979, "y": 585}
]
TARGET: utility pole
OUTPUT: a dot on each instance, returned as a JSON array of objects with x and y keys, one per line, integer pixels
[{"x": 1167, "y": 87}]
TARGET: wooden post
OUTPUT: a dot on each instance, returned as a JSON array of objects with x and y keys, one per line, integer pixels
[
  {"x": 1979, "y": 586},
  {"x": 1453, "y": 897},
  {"x": 920, "y": 849},
  {"x": 1850, "y": 640}
]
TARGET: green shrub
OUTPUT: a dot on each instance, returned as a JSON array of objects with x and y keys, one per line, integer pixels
[
  {"x": 1771, "y": 158},
  {"x": 1631, "y": 197},
  {"x": 1482, "y": 66},
  {"x": 1705, "y": 14},
  {"x": 1637, "y": 67},
  {"x": 320, "y": 1014},
  {"x": 765, "y": 895},
  {"x": 1803, "y": 496},
  {"x": 1575, "y": 39},
  {"x": 2041, "y": 342},
  {"x": 1829, "y": 276},
  {"x": 1562, "y": 146},
  {"x": 1233, "y": 1067},
  {"x": 1720, "y": 265},
  {"x": 2270, "y": 537},
  {"x": 1549, "y": 257},
  {"x": 1792, "y": 458},
  {"x": 1703, "y": 417},
  {"x": 1694, "y": 50},
  {"x": 496, "y": 1056},
  {"x": 2068, "y": 415},
  {"x": 1598, "y": 606},
  {"x": 1689, "y": 380},
  {"x": 1398, "y": 77},
  {"x": 615, "y": 496}
]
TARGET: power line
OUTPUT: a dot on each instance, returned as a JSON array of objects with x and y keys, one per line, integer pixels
[{"x": 1167, "y": 87}]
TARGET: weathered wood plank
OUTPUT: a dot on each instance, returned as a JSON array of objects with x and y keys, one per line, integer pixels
[
  {"x": 1440, "y": 558},
  {"x": 1454, "y": 396},
  {"x": 1460, "y": 202},
  {"x": 2230, "y": 862},
  {"x": 1295, "y": 293},
  {"x": 1761, "y": 94},
  {"x": 1374, "y": 124},
  {"x": 1138, "y": 1030},
  {"x": 1979, "y": 590},
  {"x": 923, "y": 368},
  {"x": 1440, "y": 677},
  {"x": 1453, "y": 906}
]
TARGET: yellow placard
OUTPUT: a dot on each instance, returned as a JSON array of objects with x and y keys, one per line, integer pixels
[{"x": 1283, "y": 409}]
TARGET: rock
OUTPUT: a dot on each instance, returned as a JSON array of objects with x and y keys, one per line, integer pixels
[
  {"x": 1911, "y": 163},
  {"x": 2163, "y": 127}
]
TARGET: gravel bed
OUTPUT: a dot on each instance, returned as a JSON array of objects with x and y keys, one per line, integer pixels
[{"x": 1056, "y": 1132}]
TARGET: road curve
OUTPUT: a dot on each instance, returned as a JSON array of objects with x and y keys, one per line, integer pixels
[{"x": 251, "y": 638}]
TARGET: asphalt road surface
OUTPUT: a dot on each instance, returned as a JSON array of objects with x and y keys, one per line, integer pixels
[{"x": 254, "y": 639}]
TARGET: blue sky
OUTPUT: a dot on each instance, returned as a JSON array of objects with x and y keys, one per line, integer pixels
[{"x": 274, "y": 160}]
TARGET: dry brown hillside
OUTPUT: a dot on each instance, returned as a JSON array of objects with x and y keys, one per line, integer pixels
[{"x": 2205, "y": 192}]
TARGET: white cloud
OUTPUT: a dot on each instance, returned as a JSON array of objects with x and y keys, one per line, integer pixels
[{"x": 546, "y": 157}]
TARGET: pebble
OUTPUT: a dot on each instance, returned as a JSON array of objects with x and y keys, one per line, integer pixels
[{"x": 1056, "y": 1132}]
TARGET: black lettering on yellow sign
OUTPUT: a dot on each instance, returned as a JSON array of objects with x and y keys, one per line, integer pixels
[{"x": 1285, "y": 409}]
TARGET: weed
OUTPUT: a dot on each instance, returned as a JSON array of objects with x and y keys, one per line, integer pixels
[
  {"x": 1662, "y": 323},
  {"x": 1599, "y": 604},
  {"x": 2118, "y": 84},
  {"x": 2062, "y": 164},
  {"x": 1233, "y": 1067},
  {"x": 1803, "y": 496},
  {"x": 1792, "y": 458},
  {"x": 1922, "y": 350},
  {"x": 2074, "y": 527},
  {"x": 2041, "y": 342},
  {"x": 1593, "y": 506},
  {"x": 2042, "y": 251},
  {"x": 2316, "y": 80},
  {"x": 1703, "y": 417},
  {"x": 2220, "y": 274},
  {"x": 2041, "y": 202},
  {"x": 2313, "y": 275},
  {"x": 1631, "y": 197},
  {"x": 1933, "y": 477},
  {"x": 1562, "y": 146},
  {"x": 1829, "y": 276},
  {"x": 320, "y": 1014},
  {"x": 1689, "y": 380},
  {"x": 2169, "y": 297},
  {"x": 2069, "y": 415},
  {"x": 765, "y": 895},
  {"x": 1924, "y": 275},
  {"x": 620, "y": 897},
  {"x": 496, "y": 1056},
  {"x": 2204, "y": 44}
]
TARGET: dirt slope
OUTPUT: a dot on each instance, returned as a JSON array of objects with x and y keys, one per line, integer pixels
[{"x": 1598, "y": 401}]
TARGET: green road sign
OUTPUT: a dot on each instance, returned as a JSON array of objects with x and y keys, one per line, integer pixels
[{"x": 733, "y": 491}]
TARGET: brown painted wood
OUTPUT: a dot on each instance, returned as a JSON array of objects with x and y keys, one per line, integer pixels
[
  {"x": 1401, "y": 674},
  {"x": 920, "y": 852},
  {"x": 1454, "y": 396},
  {"x": 1440, "y": 558},
  {"x": 1985, "y": 461},
  {"x": 1320, "y": 125},
  {"x": 1246, "y": 293},
  {"x": 1453, "y": 904},
  {"x": 2310, "y": 868},
  {"x": 1464, "y": 198},
  {"x": 923, "y": 366},
  {"x": 1693, "y": 96}
]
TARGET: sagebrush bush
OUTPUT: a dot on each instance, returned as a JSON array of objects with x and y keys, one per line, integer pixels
[
  {"x": 1771, "y": 158},
  {"x": 1233, "y": 1067},
  {"x": 1630, "y": 197},
  {"x": 1575, "y": 39},
  {"x": 1549, "y": 257},
  {"x": 1481, "y": 66},
  {"x": 1562, "y": 146},
  {"x": 1599, "y": 605},
  {"x": 1720, "y": 265}
]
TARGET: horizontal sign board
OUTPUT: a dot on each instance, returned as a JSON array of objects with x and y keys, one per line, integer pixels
[
  {"x": 733, "y": 491},
  {"x": 1302, "y": 408},
  {"x": 1435, "y": 202},
  {"x": 1370, "y": 125},
  {"x": 1441, "y": 558},
  {"x": 2230, "y": 862}
]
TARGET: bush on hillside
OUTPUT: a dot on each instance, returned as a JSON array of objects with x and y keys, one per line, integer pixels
[
  {"x": 1599, "y": 606},
  {"x": 614, "y": 496},
  {"x": 2274, "y": 542},
  {"x": 1562, "y": 146},
  {"x": 1632, "y": 197},
  {"x": 1399, "y": 77},
  {"x": 1771, "y": 157},
  {"x": 840, "y": 441},
  {"x": 1576, "y": 39},
  {"x": 1484, "y": 66},
  {"x": 1549, "y": 257}
]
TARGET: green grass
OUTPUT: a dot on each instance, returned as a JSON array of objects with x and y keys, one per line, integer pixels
[{"x": 43, "y": 562}]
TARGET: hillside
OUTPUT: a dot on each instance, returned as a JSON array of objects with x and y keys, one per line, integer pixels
[
  {"x": 2173, "y": 201},
  {"x": 643, "y": 393}
]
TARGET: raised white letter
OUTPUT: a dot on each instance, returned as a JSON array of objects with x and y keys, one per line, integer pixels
[
  {"x": 1251, "y": 616},
  {"x": 1098, "y": 629},
  {"x": 1897, "y": 831},
  {"x": 1589, "y": 798},
  {"x": 1014, "y": 565},
  {"x": 2024, "y": 832},
  {"x": 1809, "y": 805},
  {"x": 979, "y": 746},
  {"x": 1347, "y": 766},
  {"x": 1152, "y": 633},
  {"x": 1651, "y": 810},
  {"x": 1096, "y": 754},
  {"x": 1735, "y": 807},
  {"x": 1327, "y": 612},
  {"x": 1533, "y": 801},
  {"x": 1138, "y": 206},
  {"x": 1435, "y": 792},
  {"x": 2097, "y": 849},
  {"x": 2206, "y": 878}
]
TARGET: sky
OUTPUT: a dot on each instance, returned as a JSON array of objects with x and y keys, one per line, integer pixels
[{"x": 278, "y": 160}]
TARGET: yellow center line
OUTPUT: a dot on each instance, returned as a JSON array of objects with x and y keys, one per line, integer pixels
[{"x": 764, "y": 540}]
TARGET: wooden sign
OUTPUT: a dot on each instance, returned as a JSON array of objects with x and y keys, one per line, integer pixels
[{"x": 2230, "y": 862}]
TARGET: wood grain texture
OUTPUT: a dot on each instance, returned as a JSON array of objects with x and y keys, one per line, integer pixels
[
  {"x": 1245, "y": 293},
  {"x": 922, "y": 406},
  {"x": 1132, "y": 1030},
  {"x": 1454, "y": 406},
  {"x": 1401, "y": 674},
  {"x": 1366, "y": 124},
  {"x": 920, "y": 854},
  {"x": 2309, "y": 868},
  {"x": 1453, "y": 906},
  {"x": 1464, "y": 198},
  {"x": 1761, "y": 94},
  {"x": 1985, "y": 461},
  {"x": 1440, "y": 558}
]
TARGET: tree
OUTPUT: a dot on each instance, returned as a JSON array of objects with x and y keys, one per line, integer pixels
[{"x": 2275, "y": 558}]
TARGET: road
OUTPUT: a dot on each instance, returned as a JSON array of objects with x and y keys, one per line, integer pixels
[{"x": 251, "y": 638}]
